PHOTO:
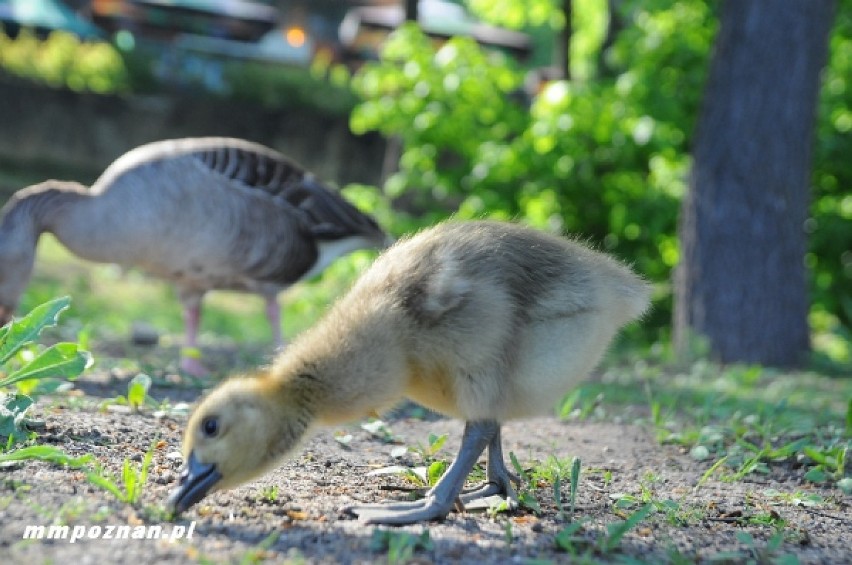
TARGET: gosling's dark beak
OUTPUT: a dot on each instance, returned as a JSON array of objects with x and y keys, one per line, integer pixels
[{"x": 196, "y": 480}]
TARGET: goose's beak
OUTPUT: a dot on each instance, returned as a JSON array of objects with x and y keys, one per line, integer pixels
[{"x": 196, "y": 480}]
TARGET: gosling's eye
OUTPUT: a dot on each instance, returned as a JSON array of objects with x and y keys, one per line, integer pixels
[{"x": 210, "y": 426}]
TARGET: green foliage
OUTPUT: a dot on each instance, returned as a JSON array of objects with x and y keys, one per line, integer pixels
[
  {"x": 605, "y": 155},
  {"x": 830, "y": 253},
  {"x": 604, "y": 159},
  {"x": 745, "y": 420},
  {"x": 514, "y": 14},
  {"x": 62, "y": 60},
  {"x": 400, "y": 546},
  {"x": 129, "y": 488},
  {"x": 137, "y": 390},
  {"x": 31, "y": 370},
  {"x": 45, "y": 453},
  {"x": 569, "y": 540},
  {"x": 276, "y": 86},
  {"x": 445, "y": 105}
]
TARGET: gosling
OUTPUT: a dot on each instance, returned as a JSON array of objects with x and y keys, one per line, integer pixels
[{"x": 482, "y": 321}]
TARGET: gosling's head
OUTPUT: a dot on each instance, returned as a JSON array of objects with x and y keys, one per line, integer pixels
[{"x": 240, "y": 430}]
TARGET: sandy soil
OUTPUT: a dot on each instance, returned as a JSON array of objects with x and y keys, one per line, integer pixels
[{"x": 303, "y": 522}]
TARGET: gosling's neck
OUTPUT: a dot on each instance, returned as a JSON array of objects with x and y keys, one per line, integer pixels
[
  {"x": 294, "y": 402},
  {"x": 349, "y": 366}
]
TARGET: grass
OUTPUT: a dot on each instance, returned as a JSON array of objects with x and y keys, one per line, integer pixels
[
  {"x": 741, "y": 420},
  {"x": 128, "y": 488}
]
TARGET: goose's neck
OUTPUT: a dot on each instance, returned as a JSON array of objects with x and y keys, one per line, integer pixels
[{"x": 39, "y": 208}]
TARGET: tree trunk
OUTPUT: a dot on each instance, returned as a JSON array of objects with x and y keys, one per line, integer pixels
[
  {"x": 411, "y": 10},
  {"x": 562, "y": 43},
  {"x": 741, "y": 283}
]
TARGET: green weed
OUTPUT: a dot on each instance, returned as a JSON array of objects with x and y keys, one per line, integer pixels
[
  {"x": 754, "y": 553},
  {"x": 31, "y": 370},
  {"x": 259, "y": 553},
  {"x": 129, "y": 488},
  {"x": 46, "y": 453},
  {"x": 269, "y": 493},
  {"x": 137, "y": 394},
  {"x": 400, "y": 546},
  {"x": 569, "y": 540}
]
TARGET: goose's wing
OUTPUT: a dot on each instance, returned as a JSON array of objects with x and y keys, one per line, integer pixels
[
  {"x": 327, "y": 214},
  {"x": 330, "y": 216},
  {"x": 252, "y": 165}
]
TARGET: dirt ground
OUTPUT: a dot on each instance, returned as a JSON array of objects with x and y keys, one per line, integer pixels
[{"x": 293, "y": 514}]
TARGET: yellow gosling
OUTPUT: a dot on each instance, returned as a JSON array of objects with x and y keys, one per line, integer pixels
[{"x": 481, "y": 321}]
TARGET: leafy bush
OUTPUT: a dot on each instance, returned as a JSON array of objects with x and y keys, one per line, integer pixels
[
  {"x": 62, "y": 60},
  {"x": 605, "y": 157},
  {"x": 31, "y": 370}
]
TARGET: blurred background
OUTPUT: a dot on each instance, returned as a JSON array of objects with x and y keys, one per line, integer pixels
[{"x": 569, "y": 115}]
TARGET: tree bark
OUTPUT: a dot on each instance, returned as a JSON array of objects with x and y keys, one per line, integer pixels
[
  {"x": 741, "y": 283},
  {"x": 562, "y": 43},
  {"x": 411, "y": 10}
]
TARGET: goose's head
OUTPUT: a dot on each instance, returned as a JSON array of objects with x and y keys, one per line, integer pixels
[{"x": 240, "y": 430}]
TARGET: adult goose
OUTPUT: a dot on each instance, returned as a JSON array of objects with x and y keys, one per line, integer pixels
[
  {"x": 482, "y": 321},
  {"x": 204, "y": 213}
]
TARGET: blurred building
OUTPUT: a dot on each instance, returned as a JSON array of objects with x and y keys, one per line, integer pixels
[{"x": 189, "y": 42}]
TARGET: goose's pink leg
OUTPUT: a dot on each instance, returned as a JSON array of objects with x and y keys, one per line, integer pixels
[
  {"x": 189, "y": 362},
  {"x": 273, "y": 314}
]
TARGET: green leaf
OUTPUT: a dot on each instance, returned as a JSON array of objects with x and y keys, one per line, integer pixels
[
  {"x": 528, "y": 500},
  {"x": 575, "y": 481},
  {"x": 146, "y": 465},
  {"x": 518, "y": 468},
  {"x": 849, "y": 419},
  {"x": 107, "y": 484},
  {"x": 25, "y": 330},
  {"x": 63, "y": 360},
  {"x": 617, "y": 531},
  {"x": 137, "y": 390},
  {"x": 436, "y": 443},
  {"x": 568, "y": 535},
  {"x": 130, "y": 480},
  {"x": 745, "y": 538},
  {"x": 13, "y": 408},
  {"x": 436, "y": 471},
  {"x": 816, "y": 475},
  {"x": 46, "y": 453},
  {"x": 817, "y": 456}
]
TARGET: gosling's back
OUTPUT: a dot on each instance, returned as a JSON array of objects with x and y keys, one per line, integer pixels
[{"x": 493, "y": 320}]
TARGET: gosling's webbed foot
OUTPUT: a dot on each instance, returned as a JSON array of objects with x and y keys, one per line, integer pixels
[
  {"x": 401, "y": 513},
  {"x": 442, "y": 498}
]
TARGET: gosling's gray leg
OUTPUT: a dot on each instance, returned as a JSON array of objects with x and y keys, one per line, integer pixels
[
  {"x": 442, "y": 497},
  {"x": 498, "y": 479}
]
